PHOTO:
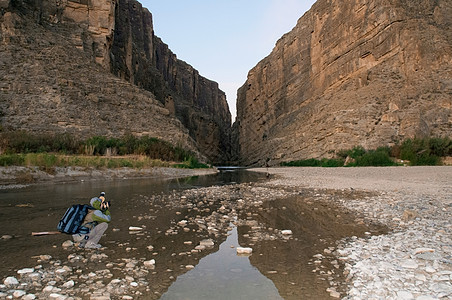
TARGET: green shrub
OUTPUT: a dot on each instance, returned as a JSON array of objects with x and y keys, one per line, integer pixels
[
  {"x": 332, "y": 163},
  {"x": 440, "y": 146},
  {"x": 377, "y": 158},
  {"x": 426, "y": 151},
  {"x": 191, "y": 163},
  {"x": 312, "y": 162},
  {"x": 24, "y": 142},
  {"x": 154, "y": 148},
  {"x": 12, "y": 160},
  {"x": 356, "y": 152}
]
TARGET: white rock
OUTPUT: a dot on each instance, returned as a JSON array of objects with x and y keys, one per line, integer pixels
[
  {"x": 429, "y": 256},
  {"x": 25, "y": 271},
  {"x": 134, "y": 284},
  {"x": 244, "y": 250},
  {"x": 61, "y": 271},
  {"x": 45, "y": 257},
  {"x": 335, "y": 294},
  {"x": 48, "y": 289},
  {"x": 67, "y": 244},
  {"x": 18, "y": 293},
  {"x": 29, "y": 297},
  {"x": 69, "y": 284},
  {"x": 409, "y": 264},
  {"x": 423, "y": 250},
  {"x": 134, "y": 228},
  {"x": 182, "y": 223},
  {"x": 286, "y": 232},
  {"x": 442, "y": 288},
  {"x": 404, "y": 295},
  {"x": 189, "y": 267},
  {"x": 149, "y": 263},
  {"x": 207, "y": 243},
  {"x": 57, "y": 296},
  {"x": 426, "y": 297},
  {"x": 420, "y": 277},
  {"x": 115, "y": 281},
  {"x": 10, "y": 281}
]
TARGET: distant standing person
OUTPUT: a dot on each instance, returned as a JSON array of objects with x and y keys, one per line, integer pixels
[{"x": 96, "y": 221}]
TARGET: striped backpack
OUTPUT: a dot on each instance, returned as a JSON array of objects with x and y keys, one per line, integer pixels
[{"x": 72, "y": 221}]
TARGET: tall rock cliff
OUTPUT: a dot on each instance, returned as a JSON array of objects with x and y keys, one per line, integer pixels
[
  {"x": 140, "y": 57},
  {"x": 83, "y": 42},
  {"x": 358, "y": 72}
]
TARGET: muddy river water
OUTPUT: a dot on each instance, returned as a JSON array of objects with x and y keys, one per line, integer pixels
[{"x": 190, "y": 228}]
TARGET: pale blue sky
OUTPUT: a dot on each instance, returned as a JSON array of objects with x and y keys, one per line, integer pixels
[{"x": 224, "y": 39}]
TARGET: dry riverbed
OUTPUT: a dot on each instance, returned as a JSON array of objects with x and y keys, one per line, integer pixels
[{"x": 412, "y": 261}]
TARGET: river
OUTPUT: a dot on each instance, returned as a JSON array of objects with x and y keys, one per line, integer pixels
[{"x": 228, "y": 209}]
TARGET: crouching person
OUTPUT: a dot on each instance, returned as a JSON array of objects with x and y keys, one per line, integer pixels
[{"x": 95, "y": 223}]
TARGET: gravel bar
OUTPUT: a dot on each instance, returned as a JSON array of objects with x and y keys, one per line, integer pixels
[{"x": 412, "y": 261}]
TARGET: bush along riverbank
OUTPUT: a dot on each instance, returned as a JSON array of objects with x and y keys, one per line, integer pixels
[
  {"x": 27, "y": 159},
  {"x": 413, "y": 152},
  {"x": 49, "y": 151}
]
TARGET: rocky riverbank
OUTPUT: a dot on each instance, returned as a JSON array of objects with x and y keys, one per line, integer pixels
[
  {"x": 414, "y": 260},
  {"x": 11, "y": 177}
]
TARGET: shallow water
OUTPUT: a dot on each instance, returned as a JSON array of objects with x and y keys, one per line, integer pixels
[
  {"x": 38, "y": 208},
  {"x": 277, "y": 269},
  {"x": 223, "y": 275}
]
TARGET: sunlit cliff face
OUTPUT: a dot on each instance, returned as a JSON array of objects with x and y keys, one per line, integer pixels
[{"x": 355, "y": 73}]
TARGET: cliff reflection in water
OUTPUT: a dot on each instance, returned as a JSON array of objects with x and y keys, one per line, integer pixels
[{"x": 223, "y": 275}]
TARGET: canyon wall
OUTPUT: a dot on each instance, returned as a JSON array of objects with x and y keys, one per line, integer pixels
[
  {"x": 140, "y": 57},
  {"x": 85, "y": 41},
  {"x": 358, "y": 72},
  {"x": 48, "y": 85}
]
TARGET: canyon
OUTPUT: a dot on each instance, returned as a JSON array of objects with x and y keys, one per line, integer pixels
[{"x": 359, "y": 72}]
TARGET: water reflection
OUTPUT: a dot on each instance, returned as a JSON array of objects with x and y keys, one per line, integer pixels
[
  {"x": 278, "y": 268},
  {"x": 39, "y": 207},
  {"x": 223, "y": 275}
]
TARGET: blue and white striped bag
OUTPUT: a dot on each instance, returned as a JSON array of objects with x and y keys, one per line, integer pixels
[{"x": 72, "y": 220}]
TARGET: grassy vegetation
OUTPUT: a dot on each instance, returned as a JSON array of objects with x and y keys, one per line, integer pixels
[
  {"x": 315, "y": 163},
  {"x": 415, "y": 152},
  {"x": 47, "y": 151},
  {"x": 48, "y": 160}
]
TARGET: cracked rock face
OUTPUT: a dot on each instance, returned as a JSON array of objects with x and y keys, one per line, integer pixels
[{"x": 363, "y": 72}]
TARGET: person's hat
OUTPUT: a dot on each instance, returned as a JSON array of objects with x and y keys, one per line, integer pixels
[{"x": 102, "y": 194}]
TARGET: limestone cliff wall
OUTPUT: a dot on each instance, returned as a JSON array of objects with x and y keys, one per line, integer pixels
[
  {"x": 53, "y": 80},
  {"x": 119, "y": 36},
  {"x": 358, "y": 72},
  {"x": 142, "y": 58}
]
